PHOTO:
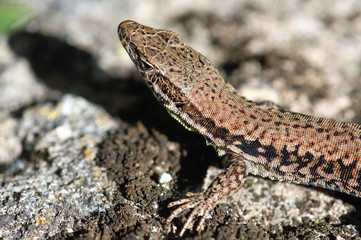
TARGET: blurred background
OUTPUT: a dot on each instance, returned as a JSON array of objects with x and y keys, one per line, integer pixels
[
  {"x": 303, "y": 55},
  {"x": 64, "y": 75}
]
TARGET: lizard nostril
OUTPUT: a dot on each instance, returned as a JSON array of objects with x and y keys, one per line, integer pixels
[{"x": 124, "y": 26}]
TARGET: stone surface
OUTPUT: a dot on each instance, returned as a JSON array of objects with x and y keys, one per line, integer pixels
[{"x": 87, "y": 152}]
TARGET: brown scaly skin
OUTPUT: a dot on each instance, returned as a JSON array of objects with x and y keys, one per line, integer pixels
[{"x": 272, "y": 143}]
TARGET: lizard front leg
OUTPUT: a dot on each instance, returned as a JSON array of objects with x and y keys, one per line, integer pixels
[{"x": 222, "y": 187}]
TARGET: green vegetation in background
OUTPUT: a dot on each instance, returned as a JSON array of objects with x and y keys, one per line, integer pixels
[{"x": 12, "y": 15}]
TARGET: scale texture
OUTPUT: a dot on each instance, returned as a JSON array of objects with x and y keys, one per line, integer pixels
[{"x": 251, "y": 138}]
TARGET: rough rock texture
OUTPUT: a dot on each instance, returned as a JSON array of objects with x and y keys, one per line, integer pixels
[{"x": 87, "y": 152}]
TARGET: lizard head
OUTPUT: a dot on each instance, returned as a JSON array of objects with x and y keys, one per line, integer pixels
[
  {"x": 171, "y": 68},
  {"x": 179, "y": 76}
]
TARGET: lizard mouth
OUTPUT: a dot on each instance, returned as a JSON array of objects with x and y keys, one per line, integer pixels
[{"x": 125, "y": 38}]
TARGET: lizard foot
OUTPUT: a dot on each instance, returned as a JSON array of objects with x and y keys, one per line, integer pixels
[
  {"x": 200, "y": 205},
  {"x": 221, "y": 188}
]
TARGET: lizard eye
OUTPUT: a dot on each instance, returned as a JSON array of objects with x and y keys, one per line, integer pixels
[{"x": 145, "y": 66}]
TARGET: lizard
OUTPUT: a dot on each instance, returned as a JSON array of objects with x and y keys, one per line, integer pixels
[{"x": 251, "y": 138}]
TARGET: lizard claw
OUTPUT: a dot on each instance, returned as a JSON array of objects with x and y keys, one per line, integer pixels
[{"x": 200, "y": 205}]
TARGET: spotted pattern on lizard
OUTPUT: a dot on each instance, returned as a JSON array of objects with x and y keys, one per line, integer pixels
[{"x": 278, "y": 144}]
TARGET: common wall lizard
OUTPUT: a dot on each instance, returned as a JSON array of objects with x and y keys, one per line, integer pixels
[{"x": 251, "y": 138}]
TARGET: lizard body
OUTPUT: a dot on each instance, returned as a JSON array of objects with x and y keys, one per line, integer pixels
[{"x": 251, "y": 138}]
